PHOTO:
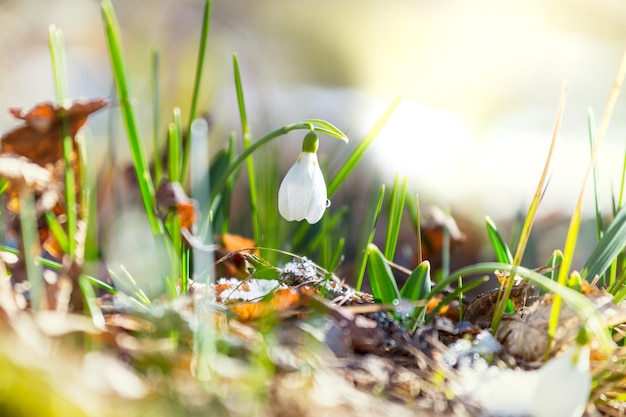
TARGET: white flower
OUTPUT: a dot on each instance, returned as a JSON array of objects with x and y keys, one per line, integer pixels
[
  {"x": 564, "y": 384},
  {"x": 302, "y": 194},
  {"x": 560, "y": 388}
]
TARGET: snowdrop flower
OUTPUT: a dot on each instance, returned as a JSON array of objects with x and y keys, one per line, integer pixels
[{"x": 302, "y": 194}]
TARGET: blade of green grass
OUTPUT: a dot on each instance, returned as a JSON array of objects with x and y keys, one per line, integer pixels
[
  {"x": 383, "y": 283},
  {"x": 414, "y": 213},
  {"x": 91, "y": 300},
  {"x": 174, "y": 147},
  {"x": 355, "y": 157},
  {"x": 373, "y": 215},
  {"x": 396, "y": 209},
  {"x": 619, "y": 289},
  {"x": 608, "y": 248},
  {"x": 88, "y": 206},
  {"x": 503, "y": 253},
  {"x": 553, "y": 265},
  {"x": 204, "y": 36},
  {"x": 574, "y": 227},
  {"x": 144, "y": 178},
  {"x": 503, "y": 296},
  {"x": 128, "y": 285},
  {"x": 417, "y": 285},
  {"x": 57, "y": 266},
  {"x": 178, "y": 268},
  {"x": 591, "y": 124},
  {"x": 57, "y": 54},
  {"x": 158, "y": 165},
  {"x": 337, "y": 255},
  {"x": 32, "y": 249},
  {"x": 57, "y": 231},
  {"x": 622, "y": 186},
  {"x": 245, "y": 131}
]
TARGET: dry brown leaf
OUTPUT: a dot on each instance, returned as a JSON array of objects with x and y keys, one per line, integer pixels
[
  {"x": 40, "y": 137},
  {"x": 282, "y": 301}
]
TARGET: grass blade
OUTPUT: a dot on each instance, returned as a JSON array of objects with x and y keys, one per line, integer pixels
[
  {"x": 574, "y": 227},
  {"x": 592, "y": 128},
  {"x": 553, "y": 265},
  {"x": 204, "y": 36},
  {"x": 362, "y": 261},
  {"x": 414, "y": 213},
  {"x": 57, "y": 231},
  {"x": 175, "y": 146},
  {"x": 337, "y": 255},
  {"x": 158, "y": 164},
  {"x": 32, "y": 249},
  {"x": 532, "y": 212},
  {"x": 144, "y": 178},
  {"x": 356, "y": 156},
  {"x": 383, "y": 283},
  {"x": 613, "y": 243},
  {"x": 245, "y": 131},
  {"x": 417, "y": 285},
  {"x": 396, "y": 210},
  {"x": 503, "y": 253},
  {"x": 91, "y": 300},
  {"x": 57, "y": 53},
  {"x": 620, "y": 199}
]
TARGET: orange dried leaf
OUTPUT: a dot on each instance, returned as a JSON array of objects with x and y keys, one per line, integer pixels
[
  {"x": 233, "y": 242},
  {"x": 170, "y": 196},
  {"x": 40, "y": 137},
  {"x": 282, "y": 301}
]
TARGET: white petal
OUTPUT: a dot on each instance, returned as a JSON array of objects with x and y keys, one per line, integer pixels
[
  {"x": 317, "y": 204},
  {"x": 302, "y": 194},
  {"x": 565, "y": 384}
]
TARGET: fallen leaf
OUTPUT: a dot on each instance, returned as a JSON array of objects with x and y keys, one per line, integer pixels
[
  {"x": 284, "y": 301},
  {"x": 232, "y": 261},
  {"x": 171, "y": 197},
  {"x": 40, "y": 137}
]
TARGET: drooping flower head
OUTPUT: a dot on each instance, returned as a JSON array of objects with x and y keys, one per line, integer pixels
[{"x": 302, "y": 194}]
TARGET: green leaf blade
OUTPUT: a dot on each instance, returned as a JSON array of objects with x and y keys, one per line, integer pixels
[
  {"x": 384, "y": 286},
  {"x": 417, "y": 285},
  {"x": 503, "y": 253}
]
